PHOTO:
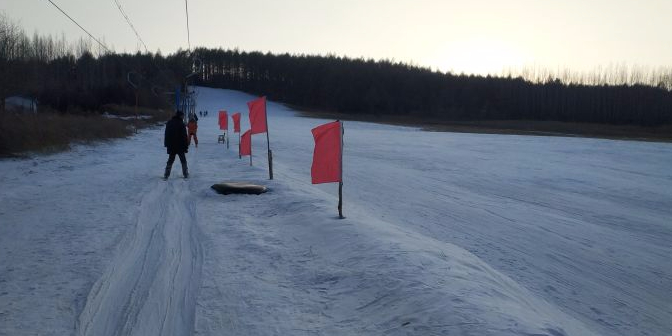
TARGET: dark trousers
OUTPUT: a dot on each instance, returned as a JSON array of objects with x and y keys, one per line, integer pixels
[
  {"x": 195, "y": 138},
  {"x": 171, "y": 159}
]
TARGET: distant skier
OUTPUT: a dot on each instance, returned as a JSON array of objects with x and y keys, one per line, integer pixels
[
  {"x": 176, "y": 143},
  {"x": 192, "y": 127}
]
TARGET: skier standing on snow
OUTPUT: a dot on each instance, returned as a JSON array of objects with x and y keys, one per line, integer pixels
[
  {"x": 176, "y": 143},
  {"x": 192, "y": 126}
]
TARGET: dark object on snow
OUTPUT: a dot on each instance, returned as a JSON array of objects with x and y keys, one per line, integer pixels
[
  {"x": 176, "y": 142},
  {"x": 239, "y": 188},
  {"x": 175, "y": 139}
]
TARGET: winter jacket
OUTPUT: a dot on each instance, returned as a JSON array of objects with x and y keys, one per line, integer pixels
[
  {"x": 192, "y": 126},
  {"x": 175, "y": 139}
]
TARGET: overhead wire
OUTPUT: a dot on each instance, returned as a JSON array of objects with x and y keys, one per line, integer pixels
[
  {"x": 80, "y": 26},
  {"x": 128, "y": 20},
  {"x": 99, "y": 42},
  {"x": 186, "y": 8}
]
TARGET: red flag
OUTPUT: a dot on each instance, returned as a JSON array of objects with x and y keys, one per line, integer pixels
[
  {"x": 258, "y": 115},
  {"x": 327, "y": 155},
  {"x": 219, "y": 119},
  {"x": 246, "y": 143},
  {"x": 223, "y": 121},
  {"x": 236, "y": 122}
]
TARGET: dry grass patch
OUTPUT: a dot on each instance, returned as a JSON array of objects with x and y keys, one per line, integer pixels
[
  {"x": 557, "y": 128},
  {"x": 48, "y": 132},
  {"x": 661, "y": 133}
]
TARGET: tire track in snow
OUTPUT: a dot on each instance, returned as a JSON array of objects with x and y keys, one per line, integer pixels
[{"x": 150, "y": 287}]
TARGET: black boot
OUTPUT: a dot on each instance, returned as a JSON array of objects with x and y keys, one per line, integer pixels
[
  {"x": 185, "y": 171},
  {"x": 167, "y": 173}
]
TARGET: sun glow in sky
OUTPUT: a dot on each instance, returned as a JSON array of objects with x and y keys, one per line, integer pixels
[
  {"x": 479, "y": 56},
  {"x": 477, "y": 36}
]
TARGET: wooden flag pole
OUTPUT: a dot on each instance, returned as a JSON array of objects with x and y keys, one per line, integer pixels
[
  {"x": 239, "y": 156},
  {"x": 227, "y": 139},
  {"x": 250, "y": 150},
  {"x": 340, "y": 200},
  {"x": 340, "y": 184},
  {"x": 268, "y": 145}
]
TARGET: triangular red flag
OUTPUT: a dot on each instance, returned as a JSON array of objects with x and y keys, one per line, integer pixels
[
  {"x": 258, "y": 115},
  {"x": 327, "y": 154},
  {"x": 223, "y": 121},
  {"x": 246, "y": 143},
  {"x": 236, "y": 122}
]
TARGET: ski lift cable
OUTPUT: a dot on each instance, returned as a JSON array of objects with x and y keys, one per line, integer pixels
[
  {"x": 97, "y": 40},
  {"x": 128, "y": 20},
  {"x": 82, "y": 28},
  {"x": 186, "y": 8},
  {"x": 195, "y": 59}
]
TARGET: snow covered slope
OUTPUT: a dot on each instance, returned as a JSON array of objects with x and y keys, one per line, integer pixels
[{"x": 458, "y": 234}]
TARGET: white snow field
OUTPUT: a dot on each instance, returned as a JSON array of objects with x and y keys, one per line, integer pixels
[{"x": 446, "y": 234}]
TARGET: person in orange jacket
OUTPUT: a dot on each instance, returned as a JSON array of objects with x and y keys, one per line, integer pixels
[{"x": 192, "y": 126}]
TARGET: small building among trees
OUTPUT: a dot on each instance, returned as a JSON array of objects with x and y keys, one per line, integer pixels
[{"x": 21, "y": 104}]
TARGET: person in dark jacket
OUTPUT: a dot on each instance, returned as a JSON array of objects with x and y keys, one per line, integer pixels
[{"x": 176, "y": 143}]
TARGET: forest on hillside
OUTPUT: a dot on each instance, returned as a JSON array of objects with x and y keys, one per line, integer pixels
[
  {"x": 83, "y": 77},
  {"x": 79, "y": 76},
  {"x": 355, "y": 86}
]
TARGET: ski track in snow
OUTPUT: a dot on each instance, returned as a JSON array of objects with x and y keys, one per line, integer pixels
[
  {"x": 446, "y": 234},
  {"x": 149, "y": 287}
]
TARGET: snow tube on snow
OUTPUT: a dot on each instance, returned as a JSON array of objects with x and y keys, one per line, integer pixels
[{"x": 239, "y": 188}]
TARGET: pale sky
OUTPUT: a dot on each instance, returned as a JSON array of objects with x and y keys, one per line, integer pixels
[{"x": 476, "y": 36}]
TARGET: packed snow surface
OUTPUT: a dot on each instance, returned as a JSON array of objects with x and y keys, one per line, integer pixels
[{"x": 446, "y": 234}]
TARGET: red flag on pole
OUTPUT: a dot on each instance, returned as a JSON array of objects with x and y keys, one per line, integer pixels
[
  {"x": 236, "y": 122},
  {"x": 327, "y": 154},
  {"x": 246, "y": 143},
  {"x": 223, "y": 121},
  {"x": 258, "y": 115}
]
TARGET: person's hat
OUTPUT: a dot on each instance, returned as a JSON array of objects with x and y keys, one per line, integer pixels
[{"x": 179, "y": 113}]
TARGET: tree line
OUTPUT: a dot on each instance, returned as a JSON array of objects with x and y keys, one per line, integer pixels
[
  {"x": 77, "y": 76},
  {"x": 80, "y": 76},
  {"x": 356, "y": 86}
]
